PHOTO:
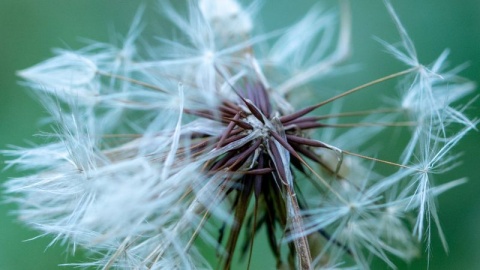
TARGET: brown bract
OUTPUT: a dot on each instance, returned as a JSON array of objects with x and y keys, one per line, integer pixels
[{"x": 261, "y": 169}]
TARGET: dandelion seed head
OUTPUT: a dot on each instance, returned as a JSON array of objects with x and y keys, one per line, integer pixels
[{"x": 199, "y": 141}]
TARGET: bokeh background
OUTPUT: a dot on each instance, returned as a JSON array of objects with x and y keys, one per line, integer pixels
[{"x": 29, "y": 29}]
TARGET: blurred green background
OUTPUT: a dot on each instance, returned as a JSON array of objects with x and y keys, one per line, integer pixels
[{"x": 29, "y": 29}]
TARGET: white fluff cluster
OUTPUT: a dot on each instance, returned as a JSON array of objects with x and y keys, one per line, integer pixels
[{"x": 123, "y": 177}]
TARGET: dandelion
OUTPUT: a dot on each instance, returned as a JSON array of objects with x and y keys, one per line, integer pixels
[{"x": 162, "y": 148}]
